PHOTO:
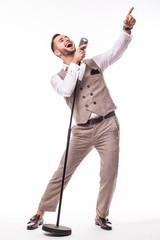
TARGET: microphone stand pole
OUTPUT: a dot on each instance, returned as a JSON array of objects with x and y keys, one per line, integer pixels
[{"x": 52, "y": 228}]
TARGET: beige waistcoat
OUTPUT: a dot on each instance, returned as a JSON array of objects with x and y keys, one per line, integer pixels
[{"x": 92, "y": 94}]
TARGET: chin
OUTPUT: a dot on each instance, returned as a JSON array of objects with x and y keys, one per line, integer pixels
[{"x": 71, "y": 52}]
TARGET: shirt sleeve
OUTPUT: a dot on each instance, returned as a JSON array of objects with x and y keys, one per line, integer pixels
[
  {"x": 66, "y": 87},
  {"x": 106, "y": 59}
]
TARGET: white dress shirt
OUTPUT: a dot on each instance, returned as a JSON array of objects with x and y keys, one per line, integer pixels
[{"x": 66, "y": 87}]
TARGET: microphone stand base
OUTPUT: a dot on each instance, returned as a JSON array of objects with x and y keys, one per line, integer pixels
[{"x": 57, "y": 231}]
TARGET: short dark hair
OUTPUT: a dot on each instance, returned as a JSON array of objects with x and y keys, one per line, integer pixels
[{"x": 52, "y": 42}]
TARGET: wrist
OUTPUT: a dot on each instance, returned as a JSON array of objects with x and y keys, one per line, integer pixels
[
  {"x": 75, "y": 61},
  {"x": 127, "y": 29}
]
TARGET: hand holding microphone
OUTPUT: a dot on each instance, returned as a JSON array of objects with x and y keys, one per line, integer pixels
[{"x": 80, "y": 52}]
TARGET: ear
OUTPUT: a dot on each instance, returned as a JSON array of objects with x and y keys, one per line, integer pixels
[{"x": 57, "y": 53}]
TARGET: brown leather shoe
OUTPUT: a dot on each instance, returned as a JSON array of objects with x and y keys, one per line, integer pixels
[
  {"x": 103, "y": 223},
  {"x": 34, "y": 222}
]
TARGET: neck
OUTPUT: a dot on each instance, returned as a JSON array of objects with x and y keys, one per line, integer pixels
[{"x": 67, "y": 59}]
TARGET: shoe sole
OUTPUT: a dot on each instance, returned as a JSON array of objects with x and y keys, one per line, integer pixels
[{"x": 109, "y": 229}]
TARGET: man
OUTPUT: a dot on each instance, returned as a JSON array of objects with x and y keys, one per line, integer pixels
[{"x": 94, "y": 112}]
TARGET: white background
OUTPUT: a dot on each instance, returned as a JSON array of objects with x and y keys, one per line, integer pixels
[{"x": 34, "y": 119}]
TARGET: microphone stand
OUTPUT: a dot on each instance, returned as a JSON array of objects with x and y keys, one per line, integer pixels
[{"x": 57, "y": 229}]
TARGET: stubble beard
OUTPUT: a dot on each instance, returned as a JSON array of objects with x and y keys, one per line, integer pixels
[{"x": 66, "y": 53}]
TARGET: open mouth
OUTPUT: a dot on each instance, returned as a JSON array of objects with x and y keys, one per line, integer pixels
[{"x": 69, "y": 45}]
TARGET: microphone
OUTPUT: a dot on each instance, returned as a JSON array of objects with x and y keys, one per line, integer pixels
[{"x": 83, "y": 41}]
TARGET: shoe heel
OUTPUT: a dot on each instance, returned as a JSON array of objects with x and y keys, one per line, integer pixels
[{"x": 41, "y": 223}]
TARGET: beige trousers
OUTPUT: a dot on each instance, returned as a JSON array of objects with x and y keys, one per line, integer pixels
[{"x": 104, "y": 137}]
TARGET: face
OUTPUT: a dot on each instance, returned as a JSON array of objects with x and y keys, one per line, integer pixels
[{"x": 63, "y": 45}]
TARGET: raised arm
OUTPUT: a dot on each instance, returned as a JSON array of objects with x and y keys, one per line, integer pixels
[{"x": 112, "y": 55}]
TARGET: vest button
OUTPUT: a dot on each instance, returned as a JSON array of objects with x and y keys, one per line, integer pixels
[
  {"x": 81, "y": 88},
  {"x": 86, "y": 105},
  {"x": 83, "y": 97},
  {"x": 91, "y": 94},
  {"x": 88, "y": 86},
  {"x": 94, "y": 102}
]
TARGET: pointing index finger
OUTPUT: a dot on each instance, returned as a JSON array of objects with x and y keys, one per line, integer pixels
[{"x": 130, "y": 11}]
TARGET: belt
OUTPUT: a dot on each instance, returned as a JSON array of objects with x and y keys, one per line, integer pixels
[{"x": 97, "y": 120}]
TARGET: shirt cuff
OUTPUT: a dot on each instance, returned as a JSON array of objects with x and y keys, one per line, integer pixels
[
  {"x": 126, "y": 35},
  {"x": 74, "y": 67}
]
